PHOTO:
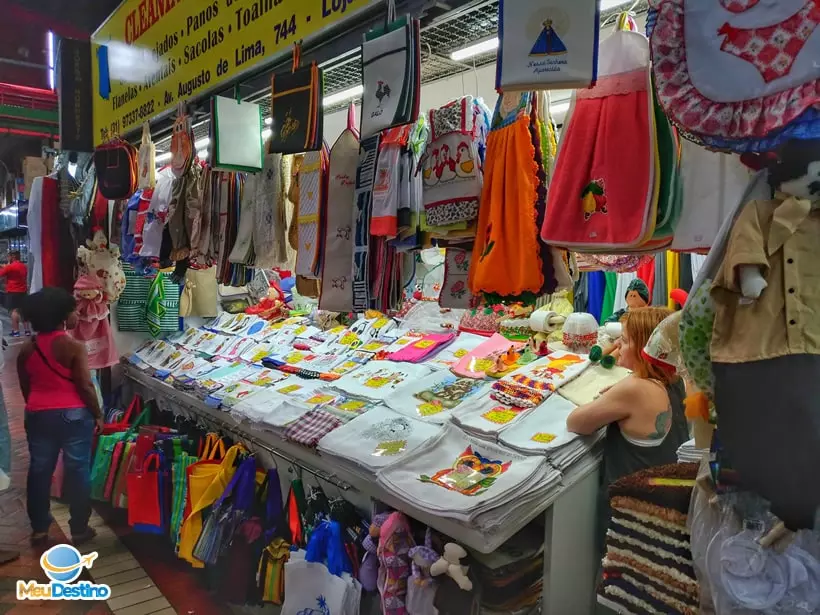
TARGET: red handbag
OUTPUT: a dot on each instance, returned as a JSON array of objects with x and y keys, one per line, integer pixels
[{"x": 144, "y": 493}]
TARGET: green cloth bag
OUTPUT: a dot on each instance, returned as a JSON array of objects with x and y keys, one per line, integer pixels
[
  {"x": 179, "y": 474},
  {"x": 101, "y": 465}
]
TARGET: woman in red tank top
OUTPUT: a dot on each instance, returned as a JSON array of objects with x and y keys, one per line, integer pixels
[{"x": 61, "y": 411}]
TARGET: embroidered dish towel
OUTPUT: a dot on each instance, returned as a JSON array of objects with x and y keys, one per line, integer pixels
[
  {"x": 379, "y": 379},
  {"x": 377, "y": 438},
  {"x": 434, "y": 397},
  {"x": 543, "y": 429}
]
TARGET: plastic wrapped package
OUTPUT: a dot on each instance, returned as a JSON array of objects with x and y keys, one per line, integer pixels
[{"x": 747, "y": 577}]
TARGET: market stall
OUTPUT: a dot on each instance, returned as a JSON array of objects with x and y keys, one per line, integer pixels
[{"x": 408, "y": 313}]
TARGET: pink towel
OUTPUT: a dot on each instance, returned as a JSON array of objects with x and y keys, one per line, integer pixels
[{"x": 423, "y": 348}]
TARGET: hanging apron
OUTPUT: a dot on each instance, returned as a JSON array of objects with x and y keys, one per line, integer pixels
[
  {"x": 310, "y": 199},
  {"x": 506, "y": 239},
  {"x": 603, "y": 192},
  {"x": 365, "y": 173},
  {"x": 337, "y": 274},
  {"x": 270, "y": 222}
]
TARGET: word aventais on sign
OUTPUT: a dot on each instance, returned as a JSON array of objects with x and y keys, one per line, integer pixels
[{"x": 159, "y": 52}]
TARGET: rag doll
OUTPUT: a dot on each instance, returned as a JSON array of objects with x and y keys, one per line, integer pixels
[
  {"x": 395, "y": 542},
  {"x": 99, "y": 259},
  {"x": 637, "y": 296},
  {"x": 421, "y": 587},
  {"x": 369, "y": 570},
  {"x": 765, "y": 345},
  {"x": 93, "y": 327}
]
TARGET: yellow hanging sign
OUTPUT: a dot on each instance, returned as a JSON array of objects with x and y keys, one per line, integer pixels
[{"x": 157, "y": 53}]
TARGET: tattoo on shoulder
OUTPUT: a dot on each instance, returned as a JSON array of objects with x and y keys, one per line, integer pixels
[{"x": 662, "y": 423}]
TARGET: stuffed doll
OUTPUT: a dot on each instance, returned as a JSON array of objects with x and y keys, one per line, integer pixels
[
  {"x": 98, "y": 258},
  {"x": 765, "y": 344},
  {"x": 421, "y": 587},
  {"x": 637, "y": 296},
  {"x": 369, "y": 570},
  {"x": 93, "y": 327}
]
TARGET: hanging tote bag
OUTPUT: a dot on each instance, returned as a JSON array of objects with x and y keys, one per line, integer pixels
[
  {"x": 218, "y": 529},
  {"x": 182, "y": 142},
  {"x": 116, "y": 166},
  {"x": 237, "y": 135},
  {"x": 547, "y": 46},
  {"x": 147, "y": 160},
  {"x": 192, "y": 526},
  {"x": 179, "y": 493},
  {"x": 104, "y": 455},
  {"x": 123, "y": 422},
  {"x": 119, "y": 493},
  {"x": 201, "y": 474},
  {"x": 145, "y": 496},
  {"x": 116, "y": 459}
]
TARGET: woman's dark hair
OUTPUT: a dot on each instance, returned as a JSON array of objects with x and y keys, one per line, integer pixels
[{"x": 48, "y": 309}]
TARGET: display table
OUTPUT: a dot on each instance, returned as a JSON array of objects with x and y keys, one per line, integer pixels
[{"x": 569, "y": 515}]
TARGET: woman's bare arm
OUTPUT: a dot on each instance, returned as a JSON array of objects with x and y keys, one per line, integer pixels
[
  {"x": 22, "y": 372},
  {"x": 616, "y": 404},
  {"x": 81, "y": 375}
]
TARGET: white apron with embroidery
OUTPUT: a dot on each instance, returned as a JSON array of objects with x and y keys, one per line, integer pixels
[
  {"x": 380, "y": 379},
  {"x": 337, "y": 274}
]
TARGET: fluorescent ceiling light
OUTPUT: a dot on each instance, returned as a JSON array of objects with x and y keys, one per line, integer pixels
[
  {"x": 163, "y": 157},
  {"x": 50, "y": 43},
  {"x": 349, "y": 94},
  {"x": 268, "y": 121},
  {"x": 266, "y": 133},
  {"x": 474, "y": 50},
  {"x": 202, "y": 143}
]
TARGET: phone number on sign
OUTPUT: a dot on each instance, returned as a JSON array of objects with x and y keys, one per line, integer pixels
[{"x": 142, "y": 112}]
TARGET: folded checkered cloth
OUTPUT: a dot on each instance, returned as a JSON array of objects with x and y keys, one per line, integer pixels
[{"x": 312, "y": 427}]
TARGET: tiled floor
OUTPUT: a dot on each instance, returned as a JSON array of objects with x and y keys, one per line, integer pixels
[{"x": 153, "y": 582}]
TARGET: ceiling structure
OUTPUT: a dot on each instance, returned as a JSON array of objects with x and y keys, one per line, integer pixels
[{"x": 442, "y": 34}]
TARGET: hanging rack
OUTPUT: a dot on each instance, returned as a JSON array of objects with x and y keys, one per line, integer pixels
[
  {"x": 191, "y": 409},
  {"x": 249, "y": 439}
]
